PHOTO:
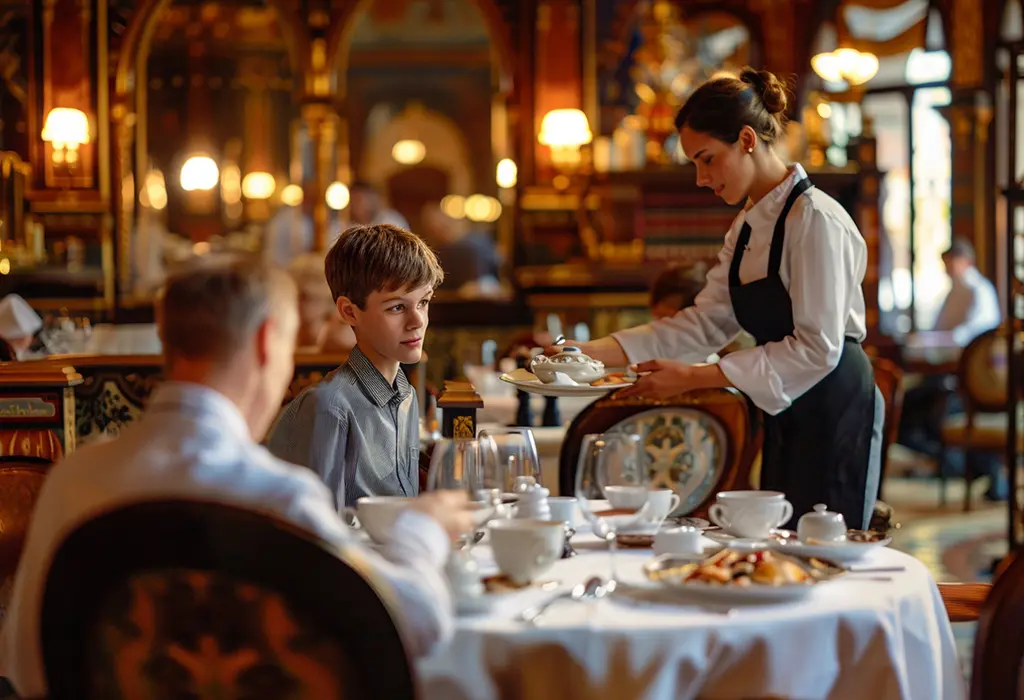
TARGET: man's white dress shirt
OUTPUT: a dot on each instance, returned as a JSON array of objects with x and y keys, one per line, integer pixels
[
  {"x": 824, "y": 258},
  {"x": 970, "y": 309},
  {"x": 192, "y": 442}
]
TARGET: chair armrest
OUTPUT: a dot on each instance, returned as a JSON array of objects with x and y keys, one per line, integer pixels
[{"x": 963, "y": 601}]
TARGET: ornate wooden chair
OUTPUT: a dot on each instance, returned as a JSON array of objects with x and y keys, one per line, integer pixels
[
  {"x": 21, "y": 479},
  {"x": 697, "y": 444},
  {"x": 203, "y": 600},
  {"x": 998, "y": 665},
  {"x": 981, "y": 384},
  {"x": 889, "y": 379}
]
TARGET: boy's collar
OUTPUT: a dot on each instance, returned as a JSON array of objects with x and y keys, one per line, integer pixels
[{"x": 373, "y": 382}]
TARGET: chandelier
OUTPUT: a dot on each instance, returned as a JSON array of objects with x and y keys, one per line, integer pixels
[{"x": 845, "y": 65}]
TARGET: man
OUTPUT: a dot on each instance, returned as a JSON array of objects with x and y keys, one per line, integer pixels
[
  {"x": 228, "y": 330},
  {"x": 972, "y": 305},
  {"x": 971, "y": 308},
  {"x": 366, "y": 207}
]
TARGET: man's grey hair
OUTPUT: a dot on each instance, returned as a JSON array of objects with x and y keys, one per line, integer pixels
[{"x": 210, "y": 308}]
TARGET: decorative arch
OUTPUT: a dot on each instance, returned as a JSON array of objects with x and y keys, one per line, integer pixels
[
  {"x": 140, "y": 32},
  {"x": 446, "y": 149},
  {"x": 339, "y": 42}
]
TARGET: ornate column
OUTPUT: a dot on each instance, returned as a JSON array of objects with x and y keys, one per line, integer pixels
[{"x": 970, "y": 115}]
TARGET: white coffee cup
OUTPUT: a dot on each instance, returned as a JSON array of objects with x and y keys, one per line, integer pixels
[
  {"x": 685, "y": 540},
  {"x": 627, "y": 497},
  {"x": 525, "y": 549},
  {"x": 376, "y": 515},
  {"x": 751, "y": 514},
  {"x": 563, "y": 509},
  {"x": 661, "y": 502}
]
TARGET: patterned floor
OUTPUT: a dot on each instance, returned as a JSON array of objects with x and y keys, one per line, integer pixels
[{"x": 956, "y": 546}]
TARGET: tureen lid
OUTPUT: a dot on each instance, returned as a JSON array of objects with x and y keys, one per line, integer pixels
[{"x": 574, "y": 355}]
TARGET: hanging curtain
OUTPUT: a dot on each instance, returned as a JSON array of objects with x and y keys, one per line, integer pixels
[{"x": 883, "y": 27}]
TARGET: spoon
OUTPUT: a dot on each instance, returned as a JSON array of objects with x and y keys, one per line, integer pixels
[
  {"x": 593, "y": 587},
  {"x": 560, "y": 340}
]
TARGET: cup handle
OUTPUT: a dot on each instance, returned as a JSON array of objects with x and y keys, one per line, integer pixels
[
  {"x": 717, "y": 515},
  {"x": 350, "y": 516},
  {"x": 676, "y": 500},
  {"x": 787, "y": 509}
]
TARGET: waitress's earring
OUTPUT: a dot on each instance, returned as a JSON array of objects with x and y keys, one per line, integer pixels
[{"x": 750, "y": 150}]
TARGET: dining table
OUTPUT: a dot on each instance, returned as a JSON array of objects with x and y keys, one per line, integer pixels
[{"x": 878, "y": 632}]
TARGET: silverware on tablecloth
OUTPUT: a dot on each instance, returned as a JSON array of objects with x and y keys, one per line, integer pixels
[
  {"x": 593, "y": 588},
  {"x": 854, "y": 569}
]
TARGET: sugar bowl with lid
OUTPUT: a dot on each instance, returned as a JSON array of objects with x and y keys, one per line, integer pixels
[
  {"x": 571, "y": 362},
  {"x": 821, "y": 525}
]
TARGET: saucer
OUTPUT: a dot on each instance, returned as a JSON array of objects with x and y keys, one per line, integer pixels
[
  {"x": 497, "y": 589},
  {"x": 775, "y": 534}
]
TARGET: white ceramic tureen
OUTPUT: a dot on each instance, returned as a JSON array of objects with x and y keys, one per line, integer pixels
[{"x": 571, "y": 362}]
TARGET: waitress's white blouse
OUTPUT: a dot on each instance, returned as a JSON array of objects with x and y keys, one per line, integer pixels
[{"x": 823, "y": 263}]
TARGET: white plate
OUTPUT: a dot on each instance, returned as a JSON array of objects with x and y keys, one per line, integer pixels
[
  {"x": 730, "y": 540},
  {"x": 527, "y": 381},
  {"x": 753, "y": 594},
  {"x": 839, "y": 552}
]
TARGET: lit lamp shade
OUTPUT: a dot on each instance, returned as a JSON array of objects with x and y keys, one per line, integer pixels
[
  {"x": 292, "y": 195},
  {"x": 198, "y": 173},
  {"x": 258, "y": 185},
  {"x": 506, "y": 174},
  {"x": 337, "y": 196},
  {"x": 409, "y": 151},
  {"x": 845, "y": 65},
  {"x": 65, "y": 126},
  {"x": 564, "y": 131}
]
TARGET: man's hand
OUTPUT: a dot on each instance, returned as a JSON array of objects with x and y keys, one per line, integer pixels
[
  {"x": 449, "y": 508},
  {"x": 663, "y": 379}
]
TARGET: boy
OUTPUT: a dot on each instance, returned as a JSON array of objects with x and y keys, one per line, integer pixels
[{"x": 359, "y": 428}]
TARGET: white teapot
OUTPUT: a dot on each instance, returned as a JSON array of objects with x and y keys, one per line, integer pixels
[
  {"x": 571, "y": 362},
  {"x": 821, "y": 525}
]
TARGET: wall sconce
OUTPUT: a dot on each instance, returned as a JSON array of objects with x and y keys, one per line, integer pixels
[
  {"x": 564, "y": 131},
  {"x": 292, "y": 195},
  {"x": 409, "y": 151},
  {"x": 199, "y": 173},
  {"x": 65, "y": 129},
  {"x": 337, "y": 196},
  {"x": 506, "y": 174},
  {"x": 845, "y": 65},
  {"x": 258, "y": 185}
]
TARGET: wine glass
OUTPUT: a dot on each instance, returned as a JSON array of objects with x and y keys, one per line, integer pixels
[
  {"x": 612, "y": 482},
  {"x": 516, "y": 452},
  {"x": 469, "y": 466}
]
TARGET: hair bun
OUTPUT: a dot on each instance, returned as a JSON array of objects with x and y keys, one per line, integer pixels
[{"x": 770, "y": 89}]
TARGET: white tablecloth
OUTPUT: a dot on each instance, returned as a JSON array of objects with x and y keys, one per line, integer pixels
[{"x": 852, "y": 638}]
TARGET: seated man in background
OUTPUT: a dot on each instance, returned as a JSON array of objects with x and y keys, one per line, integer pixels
[
  {"x": 19, "y": 324},
  {"x": 228, "y": 330},
  {"x": 971, "y": 308}
]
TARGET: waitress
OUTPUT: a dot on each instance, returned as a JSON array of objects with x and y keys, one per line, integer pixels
[{"x": 790, "y": 274}]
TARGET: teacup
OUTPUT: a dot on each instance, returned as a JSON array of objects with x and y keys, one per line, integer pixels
[
  {"x": 660, "y": 502},
  {"x": 685, "y": 540},
  {"x": 626, "y": 497},
  {"x": 563, "y": 509},
  {"x": 750, "y": 514},
  {"x": 376, "y": 515},
  {"x": 525, "y": 549}
]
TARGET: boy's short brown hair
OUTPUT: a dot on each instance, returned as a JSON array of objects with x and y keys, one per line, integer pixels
[{"x": 379, "y": 258}]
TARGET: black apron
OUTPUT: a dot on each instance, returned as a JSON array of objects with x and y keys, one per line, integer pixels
[{"x": 819, "y": 449}]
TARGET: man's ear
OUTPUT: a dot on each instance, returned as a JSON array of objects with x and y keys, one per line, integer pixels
[
  {"x": 264, "y": 338},
  {"x": 347, "y": 309}
]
